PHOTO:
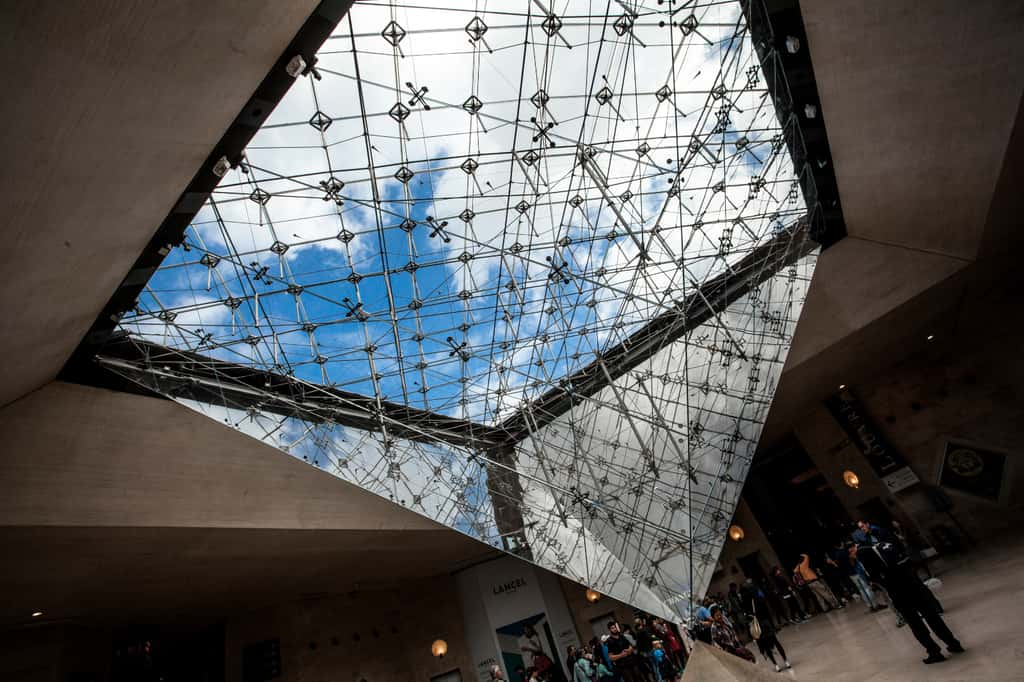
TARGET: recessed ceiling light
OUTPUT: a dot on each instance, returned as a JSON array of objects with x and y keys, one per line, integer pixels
[
  {"x": 931, "y": 337},
  {"x": 842, "y": 386},
  {"x": 36, "y": 614}
]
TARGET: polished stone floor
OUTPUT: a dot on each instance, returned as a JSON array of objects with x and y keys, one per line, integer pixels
[{"x": 984, "y": 601}]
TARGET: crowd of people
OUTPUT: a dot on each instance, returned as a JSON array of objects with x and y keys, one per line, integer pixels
[
  {"x": 872, "y": 564},
  {"x": 652, "y": 650}
]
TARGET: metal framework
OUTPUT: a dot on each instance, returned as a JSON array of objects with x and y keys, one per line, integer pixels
[{"x": 531, "y": 270}]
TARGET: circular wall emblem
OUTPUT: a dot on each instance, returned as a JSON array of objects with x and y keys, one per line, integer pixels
[{"x": 966, "y": 462}]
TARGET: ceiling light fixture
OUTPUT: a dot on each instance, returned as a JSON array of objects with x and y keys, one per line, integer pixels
[
  {"x": 931, "y": 337},
  {"x": 295, "y": 66},
  {"x": 37, "y": 614},
  {"x": 221, "y": 167},
  {"x": 842, "y": 386}
]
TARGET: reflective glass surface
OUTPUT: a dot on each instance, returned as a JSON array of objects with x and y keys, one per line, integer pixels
[{"x": 571, "y": 231}]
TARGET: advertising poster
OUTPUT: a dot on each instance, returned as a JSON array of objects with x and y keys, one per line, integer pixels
[{"x": 529, "y": 643}]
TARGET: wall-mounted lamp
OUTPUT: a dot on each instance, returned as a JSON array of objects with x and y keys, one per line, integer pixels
[
  {"x": 439, "y": 648},
  {"x": 736, "y": 533},
  {"x": 851, "y": 479},
  {"x": 592, "y": 595},
  {"x": 792, "y": 44}
]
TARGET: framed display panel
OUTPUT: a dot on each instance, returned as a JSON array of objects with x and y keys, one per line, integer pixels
[{"x": 975, "y": 469}]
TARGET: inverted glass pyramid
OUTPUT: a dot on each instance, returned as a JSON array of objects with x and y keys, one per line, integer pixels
[{"x": 531, "y": 271}]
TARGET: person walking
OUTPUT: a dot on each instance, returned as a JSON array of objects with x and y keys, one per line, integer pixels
[
  {"x": 910, "y": 597},
  {"x": 768, "y": 637},
  {"x": 814, "y": 583}
]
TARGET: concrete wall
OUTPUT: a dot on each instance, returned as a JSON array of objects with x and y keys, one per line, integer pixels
[
  {"x": 366, "y": 635},
  {"x": 754, "y": 540},
  {"x": 965, "y": 386},
  {"x": 583, "y": 612},
  {"x": 113, "y": 106},
  {"x": 54, "y": 653}
]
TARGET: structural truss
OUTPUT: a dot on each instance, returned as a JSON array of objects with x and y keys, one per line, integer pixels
[{"x": 530, "y": 269}]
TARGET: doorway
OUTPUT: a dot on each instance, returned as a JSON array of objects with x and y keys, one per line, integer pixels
[
  {"x": 797, "y": 508},
  {"x": 753, "y": 567}
]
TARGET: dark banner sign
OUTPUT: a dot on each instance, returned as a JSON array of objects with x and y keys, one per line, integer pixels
[{"x": 884, "y": 460}]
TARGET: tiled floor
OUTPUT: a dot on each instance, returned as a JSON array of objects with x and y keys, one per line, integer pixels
[{"x": 984, "y": 602}]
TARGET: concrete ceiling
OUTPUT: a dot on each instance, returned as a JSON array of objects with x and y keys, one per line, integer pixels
[
  {"x": 922, "y": 103},
  {"x": 109, "y": 108},
  {"x": 164, "y": 575},
  {"x": 170, "y": 514},
  {"x": 920, "y": 99}
]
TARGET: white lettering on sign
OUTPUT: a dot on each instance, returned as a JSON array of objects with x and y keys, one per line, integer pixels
[{"x": 900, "y": 479}]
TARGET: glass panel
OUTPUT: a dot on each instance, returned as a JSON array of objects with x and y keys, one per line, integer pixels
[{"x": 490, "y": 217}]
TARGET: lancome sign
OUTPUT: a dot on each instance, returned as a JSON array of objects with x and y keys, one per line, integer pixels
[{"x": 510, "y": 586}]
